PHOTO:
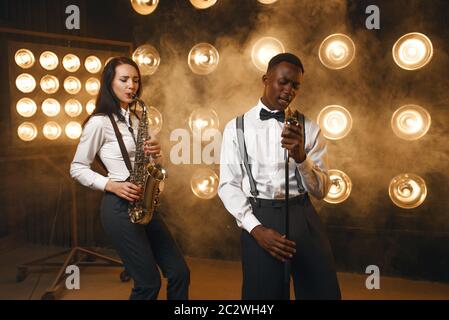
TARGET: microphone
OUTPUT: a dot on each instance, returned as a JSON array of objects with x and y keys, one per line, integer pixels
[{"x": 291, "y": 117}]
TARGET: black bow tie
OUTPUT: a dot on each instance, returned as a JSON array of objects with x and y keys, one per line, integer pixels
[{"x": 265, "y": 115}]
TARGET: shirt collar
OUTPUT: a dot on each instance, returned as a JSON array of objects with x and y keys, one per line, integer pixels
[
  {"x": 124, "y": 112},
  {"x": 261, "y": 105}
]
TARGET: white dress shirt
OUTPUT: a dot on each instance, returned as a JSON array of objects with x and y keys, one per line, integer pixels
[
  {"x": 266, "y": 156},
  {"x": 98, "y": 136}
]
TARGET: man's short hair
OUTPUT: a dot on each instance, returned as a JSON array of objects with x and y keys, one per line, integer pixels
[{"x": 288, "y": 57}]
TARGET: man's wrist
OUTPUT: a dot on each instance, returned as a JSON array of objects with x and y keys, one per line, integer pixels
[
  {"x": 300, "y": 159},
  {"x": 255, "y": 231}
]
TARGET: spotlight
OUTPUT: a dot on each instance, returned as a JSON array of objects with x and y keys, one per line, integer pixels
[
  {"x": 26, "y": 107},
  {"x": 154, "y": 120},
  {"x": 92, "y": 64},
  {"x": 204, "y": 183},
  {"x": 265, "y": 49},
  {"x": 341, "y": 186},
  {"x": 203, "y": 4},
  {"x": 202, "y": 119},
  {"x": 73, "y": 130},
  {"x": 72, "y": 85},
  {"x": 203, "y": 58},
  {"x": 25, "y": 82},
  {"x": 335, "y": 122},
  {"x": 267, "y": 1},
  {"x": 147, "y": 58},
  {"x": 48, "y": 60},
  {"x": 412, "y": 51},
  {"x": 27, "y": 131},
  {"x": 144, "y": 7},
  {"x": 51, "y": 107},
  {"x": 49, "y": 84},
  {"x": 90, "y": 106},
  {"x": 410, "y": 122},
  {"x": 71, "y": 62},
  {"x": 407, "y": 190},
  {"x": 73, "y": 108},
  {"x": 336, "y": 51},
  {"x": 92, "y": 86},
  {"x": 52, "y": 130},
  {"x": 24, "y": 58}
]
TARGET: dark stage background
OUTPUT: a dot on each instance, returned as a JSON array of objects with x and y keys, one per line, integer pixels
[{"x": 365, "y": 229}]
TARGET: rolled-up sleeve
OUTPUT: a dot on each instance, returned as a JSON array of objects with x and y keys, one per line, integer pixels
[
  {"x": 314, "y": 169},
  {"x": 231, "y": 176},
  {"x": 90, "y": 142}
]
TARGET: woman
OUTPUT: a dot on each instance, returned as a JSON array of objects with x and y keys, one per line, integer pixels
[{"x": 141, "y": 248}]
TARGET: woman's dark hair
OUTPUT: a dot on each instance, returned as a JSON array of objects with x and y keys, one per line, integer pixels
[{"x": 107, "y": 102}]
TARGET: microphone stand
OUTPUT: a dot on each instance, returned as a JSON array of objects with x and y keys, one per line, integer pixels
[
  {"x": 291, "y": 117},
  {"x": 287, "y": 263}
]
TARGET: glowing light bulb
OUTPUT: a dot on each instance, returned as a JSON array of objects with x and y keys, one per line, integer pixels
[
  {"x": 92, "y": 64},
  {"x": 204, "y": 183},
  {"x": 410, "y": 122},
  {"x": 155, "y": 120},
  {"x": 92, "y": 86},
  {"x": 412, "y": 51},
  {"x": 203, "y": 4},
  {"x": 27, "y": 131},
  {"x": 51, "y": 107},
  {"x": 71, "y": 62},
  {"x": 203, "y": 119},
  {"x": 52, "y": 130},
  {"x": 407, "y": 190},
  {"x": 267, "y": 1},
  {"x": 25, "y": 82},
  {"x": 73, "y": 108},
  {"x": 48, "y": 60},
  {"x": 90, "y": 106},
  {"x": 72, "y": 85},
  {"x": 336, "y": 51},
  {"x": 24, "y": 58},
  {"x": 26, "y": 107},
  {"x": 335, "y": 122},
  {"x": 73, "y": 130},
  {"x": 341, "y": 187},
  {"x": 49, "y": 84},
  {"x": 147, "y": 58},
  {"x": 144, "y": 7},
  {"x": 263, "y": 50},
  {"x": 203, "y": 58}
]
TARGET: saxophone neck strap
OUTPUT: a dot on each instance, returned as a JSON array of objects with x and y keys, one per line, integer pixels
[{"x": 121, "y": 144}]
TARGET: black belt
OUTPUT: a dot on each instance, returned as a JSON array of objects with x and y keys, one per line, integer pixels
[{"x": 278, "y": 203}]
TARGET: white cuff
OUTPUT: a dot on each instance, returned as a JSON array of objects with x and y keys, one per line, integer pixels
[
  {"x": 305, "y": 166},
  {"x": 100, "y": 183},
  {"x": 249, "y": 222}
]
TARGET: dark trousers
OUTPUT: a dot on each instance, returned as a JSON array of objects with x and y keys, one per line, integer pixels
[
  {"x": 142, "y": 249},
  {"x": 312, "y": 266}
]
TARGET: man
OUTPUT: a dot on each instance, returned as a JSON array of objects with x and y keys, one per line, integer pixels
[{"x": 252, "y": 188}]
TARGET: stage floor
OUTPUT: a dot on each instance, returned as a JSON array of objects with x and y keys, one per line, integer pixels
[{"x": 210, "y": 280}]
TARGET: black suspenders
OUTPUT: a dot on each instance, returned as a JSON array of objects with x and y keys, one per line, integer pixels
[
  {"x": 244, "y": 154},
  {"x": 242, "y": 147}
]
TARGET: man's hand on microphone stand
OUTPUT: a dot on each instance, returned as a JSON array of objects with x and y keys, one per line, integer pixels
[{"x": 293, "y": 141}]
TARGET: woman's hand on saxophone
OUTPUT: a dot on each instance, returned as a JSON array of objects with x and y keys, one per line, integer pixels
[
  {"x": 125, "y": 190},
  {"x": 152, "y": 148}
]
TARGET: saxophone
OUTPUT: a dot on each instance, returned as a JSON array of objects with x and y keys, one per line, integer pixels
[{"x": 145, "y": 174}]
